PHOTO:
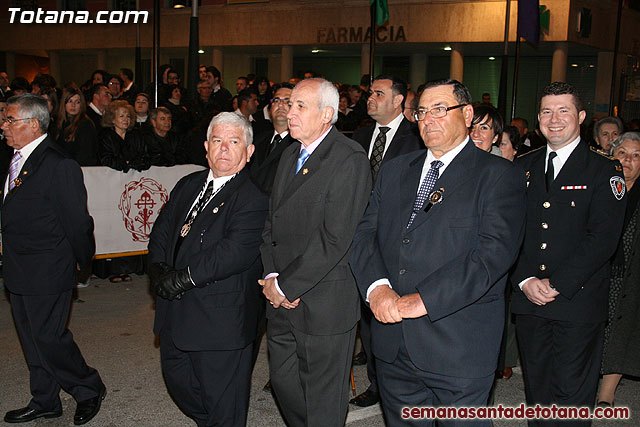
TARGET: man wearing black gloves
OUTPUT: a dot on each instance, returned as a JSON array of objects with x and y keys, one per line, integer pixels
[{"x": 204, "y": 253}]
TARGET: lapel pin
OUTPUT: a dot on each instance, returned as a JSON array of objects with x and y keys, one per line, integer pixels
[
  {"x": 436, "y": 196},
  {"x": 17, "y": 182},
  {"x": 24, "y": 172},
  {"x": 305, "y": 171},
  {"x": 217, "y": 208}
]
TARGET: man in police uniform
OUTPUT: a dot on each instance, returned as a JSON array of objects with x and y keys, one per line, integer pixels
[{"x": 575, "y": 207}]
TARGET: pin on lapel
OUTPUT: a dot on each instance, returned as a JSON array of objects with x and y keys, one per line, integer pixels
[
  {"x": 305, "y": 171},
  {"x": 24, "y": 172},
  {"x": 217, "y": 208},
  {"x": 17, "y": 182}
]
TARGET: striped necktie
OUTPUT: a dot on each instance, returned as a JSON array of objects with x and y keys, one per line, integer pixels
[{"x": 14, "y": 169}]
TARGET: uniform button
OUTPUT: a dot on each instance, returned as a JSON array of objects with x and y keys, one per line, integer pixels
[
  {"x": 546, "y": 205},
  {"x": 543, "y": 267},
  {"x": 402, "y": 271},
  {"x": 274, "y": 244},
  {"x": 545, "y": 225},
  {"x": 405, "y": 241},
  {"x": 543, "y": 246}
]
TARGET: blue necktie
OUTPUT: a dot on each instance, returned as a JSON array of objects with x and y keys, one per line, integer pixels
[
  {"x": 301, "y": 159},
  {"x": 426, "y": 186}
]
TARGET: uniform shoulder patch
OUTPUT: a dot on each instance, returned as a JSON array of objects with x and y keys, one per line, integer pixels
[
  {"x": 617, "y": 186},
  {"x": 532, "y": 151},
  {"x": 602, "y": 153}
]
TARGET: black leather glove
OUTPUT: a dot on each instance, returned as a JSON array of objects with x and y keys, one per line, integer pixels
[
  {"x": 174, "y": 283},
  {"x": 157, "y": 270}
]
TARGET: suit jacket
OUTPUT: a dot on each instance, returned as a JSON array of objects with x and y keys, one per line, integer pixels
[
  {"x": 46, "y": 228},
  {"x": 404, "y": 141},
  {"x": 582, "y": 230},
  {"x": 264, "y": 164},
  {"x": 308, "y": 234},
  {"x": 222, "y": 254},
  {"x": 456, "y": 255}
]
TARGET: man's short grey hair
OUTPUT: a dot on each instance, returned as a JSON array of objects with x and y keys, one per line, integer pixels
[
  {"x": 32, "y": 106},
  {"x": 235, "y": 119},
  {"x": 633, "y": 136},
  {"x": 611, "y": 120},
  {"x": 327, "y": 97}
]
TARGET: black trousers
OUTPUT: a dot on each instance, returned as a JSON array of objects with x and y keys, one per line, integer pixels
[
  {"x": 212, "y": 387},
  {"x": 310, "y": 374},
  {"x": 560, "y": 362},
  {"x": 52, "y": 355},
  {"x": 402, "y": 384}
]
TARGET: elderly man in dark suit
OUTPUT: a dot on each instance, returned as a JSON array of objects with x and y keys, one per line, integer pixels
[
  {"x": 431, "y": 256},
  {"x": 204, "y": 253},
  {"x": 575, "y": 211},
  {"x": 47, "y": 235},
  {"x": 319, "y": 194},
  {"x": 390, "y": 136}
]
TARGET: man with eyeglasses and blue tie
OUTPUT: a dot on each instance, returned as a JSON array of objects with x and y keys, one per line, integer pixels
[
  {"x": 319, "y": 194},
  {"x": 431, "y": 256},
  {"x": 47, "y": 235}
]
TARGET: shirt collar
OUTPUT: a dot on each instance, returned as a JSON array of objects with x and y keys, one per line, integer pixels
[
  {"x": 94, "y": 108},
  {"x": 393, "y": 124},
  {"x": 30, "y": 147},
  {"x": 283, "y": 135},
  {"x": 564, "y": 152},
  {"x": 311, "y": 147},
  {"x": 448, "y": 156}
]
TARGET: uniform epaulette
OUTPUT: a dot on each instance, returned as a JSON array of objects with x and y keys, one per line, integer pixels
[
  {"x": 532, "y": 151},
  {"x": 602, "y": 153}
]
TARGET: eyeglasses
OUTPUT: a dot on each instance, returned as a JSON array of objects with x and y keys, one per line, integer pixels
[
  {"x": 279, "y": 100},
  {"x": 11, "y": 120},
  {"x": 437, "y": 112}
]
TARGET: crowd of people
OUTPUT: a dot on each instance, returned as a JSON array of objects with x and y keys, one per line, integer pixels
[{"x": 494, "y": 243}]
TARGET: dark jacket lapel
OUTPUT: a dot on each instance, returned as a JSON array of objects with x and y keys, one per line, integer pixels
[
  {"x": 29, "y": 167},
  {"x": 311, "y": 166},
  {"x": 455, "y": 175}
]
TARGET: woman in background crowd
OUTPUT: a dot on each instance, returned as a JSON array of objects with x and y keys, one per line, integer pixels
[
  {"x": 263, "y": 89},
  {"x": 75, "y": 131},
  {"x": 119, "y": 147},
  {"x": 486, "y": 128},
  {"x": 179, "y": 113},
  {"x": 510, "y": 143},
  {"x": 621, "y": 354}
]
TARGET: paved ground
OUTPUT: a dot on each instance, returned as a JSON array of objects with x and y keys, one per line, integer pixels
[{"x": 112, "y": 325}]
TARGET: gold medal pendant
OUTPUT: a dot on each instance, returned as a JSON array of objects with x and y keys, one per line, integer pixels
[{"x": 185, "y": 230}]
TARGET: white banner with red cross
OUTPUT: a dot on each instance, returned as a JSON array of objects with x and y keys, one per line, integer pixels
[{"x": 124, "y": 206}]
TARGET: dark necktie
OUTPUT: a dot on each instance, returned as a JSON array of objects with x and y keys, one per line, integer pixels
[
  {"x": 275, "y": 142},
  {"x": 197, "y": 208},
  {"x": 550, "y": 170},
  {"x": 378, "y": 151},
  {"x": 426, "y": 186}
]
